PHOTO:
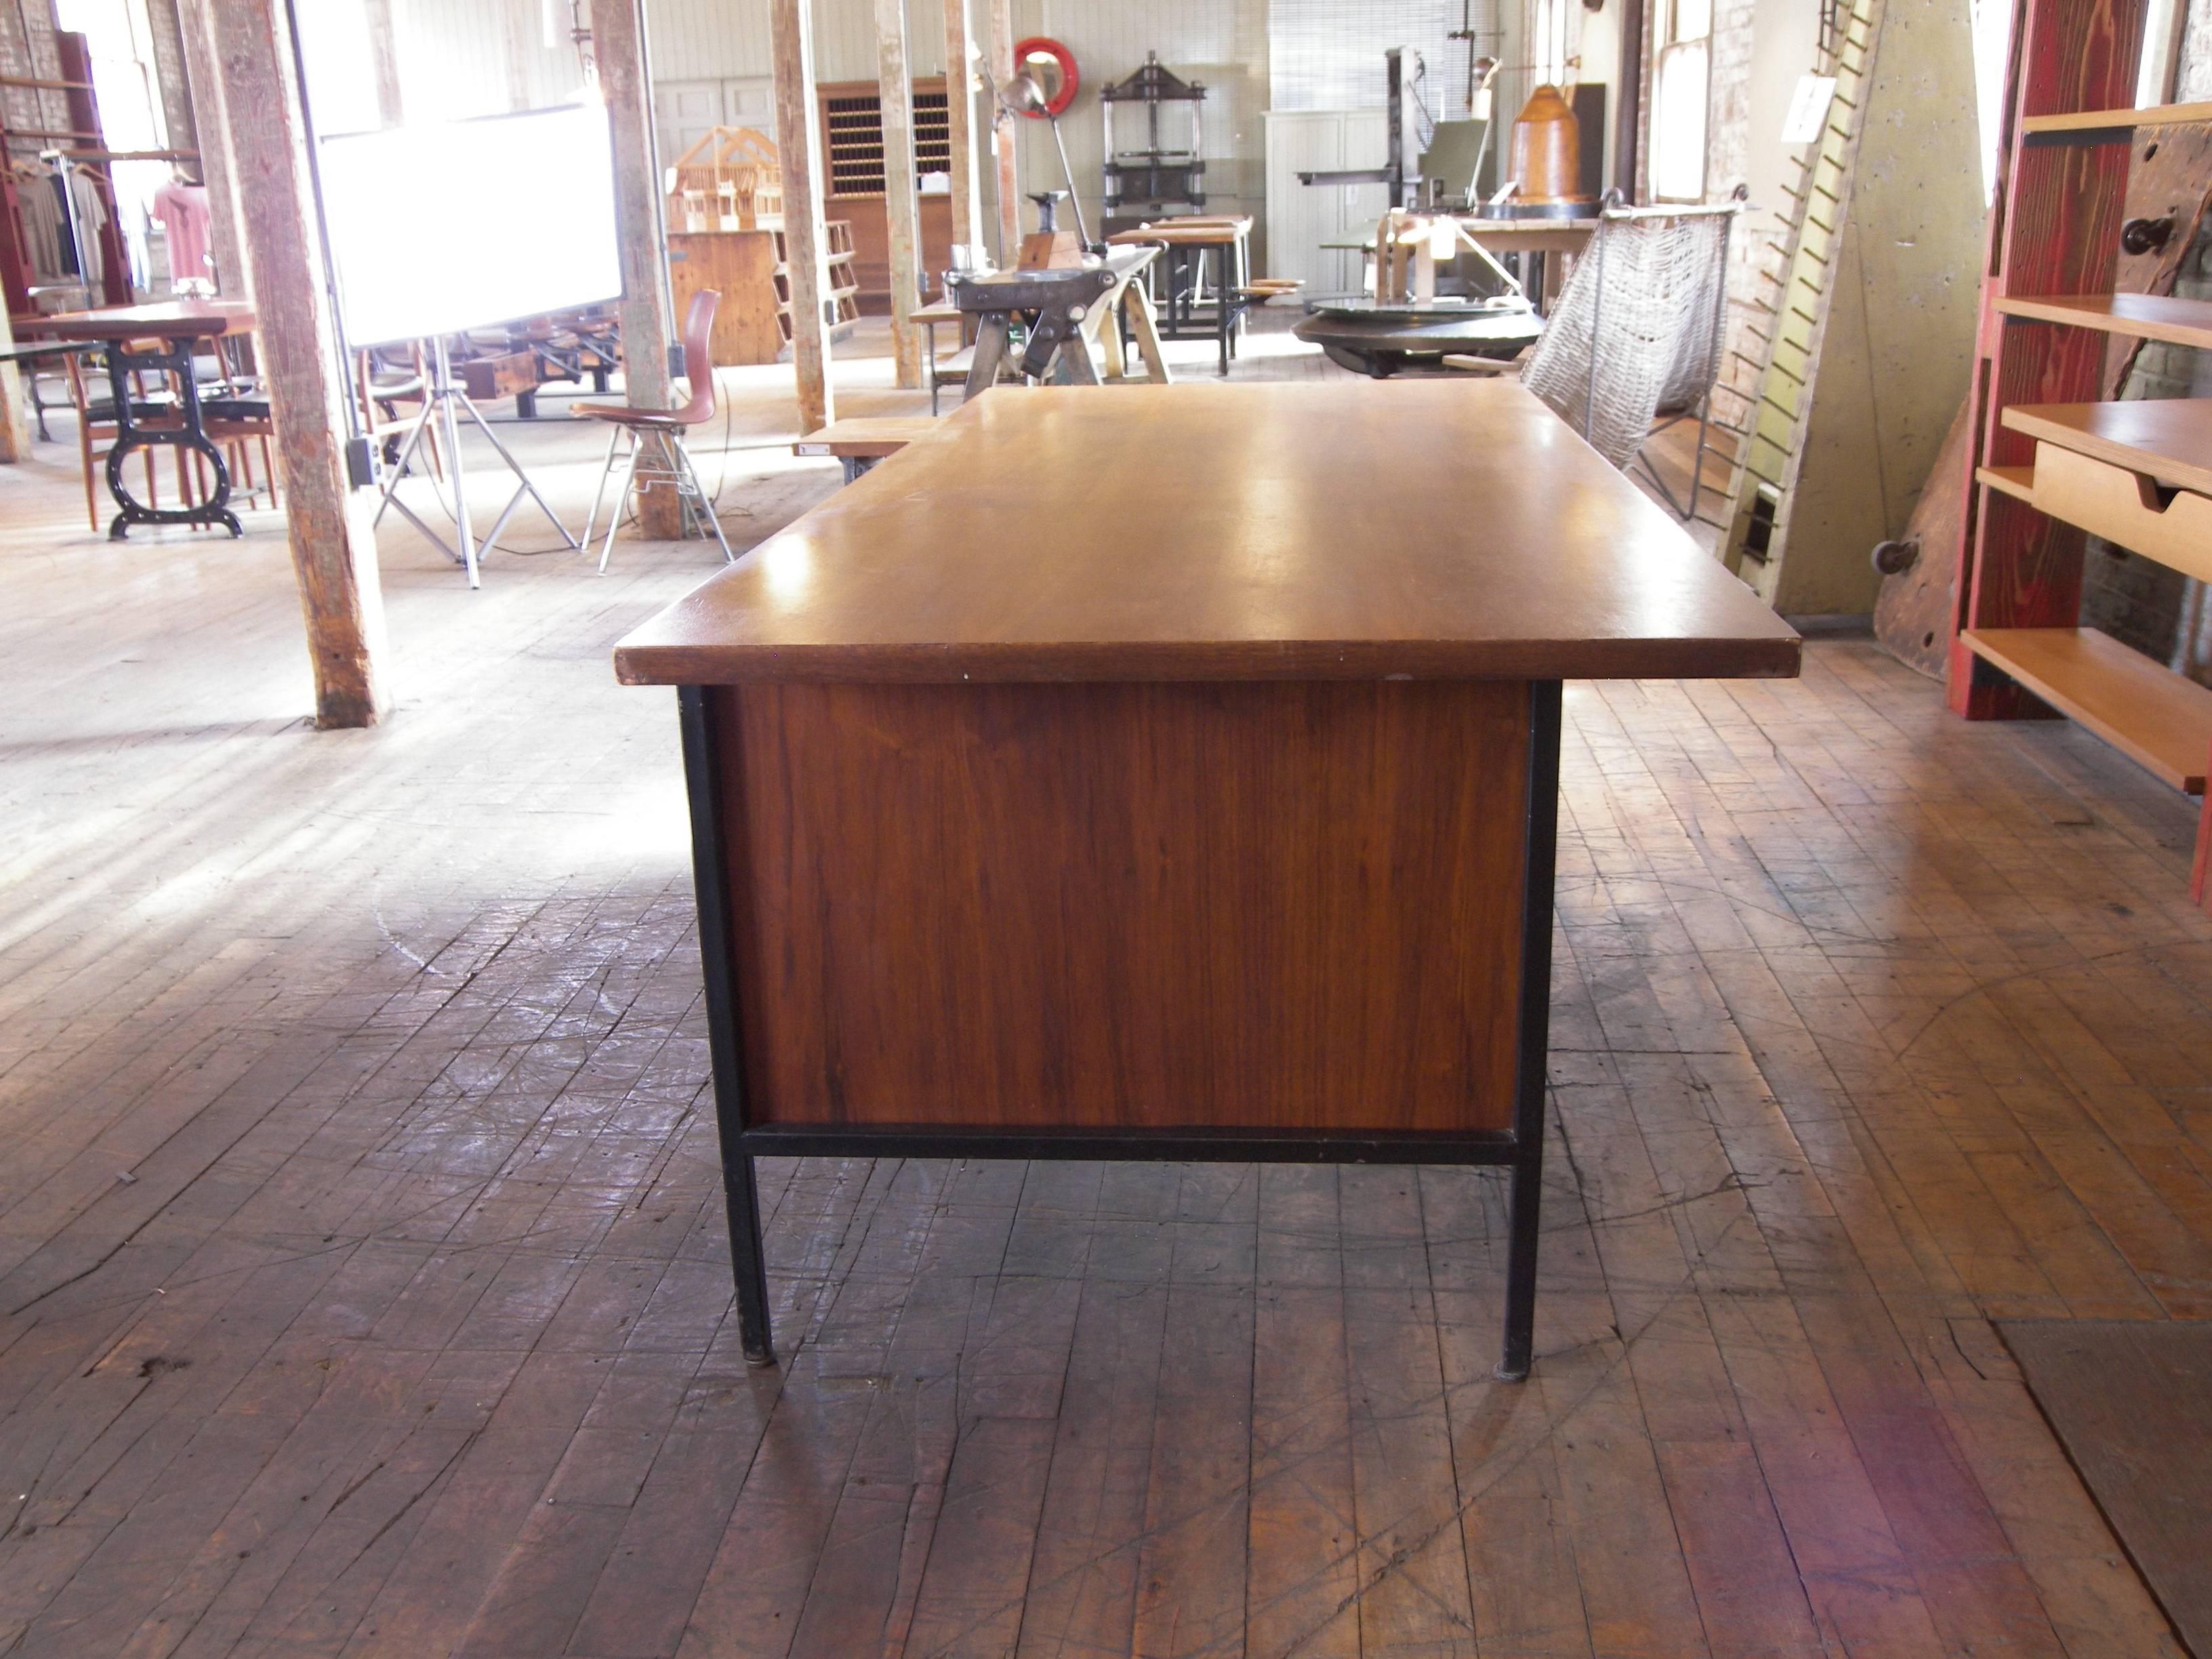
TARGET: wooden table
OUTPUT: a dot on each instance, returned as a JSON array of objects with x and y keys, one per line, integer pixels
[
  {"x": 937, "y": 311},
  {"x": 1187, "y": 242},
  {"x": 29, "y": 355},
  {"x": 179, "y": 325},
  {"x": 1165, "y": 773}
]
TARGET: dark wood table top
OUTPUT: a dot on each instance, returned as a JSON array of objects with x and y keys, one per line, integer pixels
[
  {"x": 168, "y": 320},
  {"x": 1338, "y": 529},
  {"x": 26, "y": 349}
]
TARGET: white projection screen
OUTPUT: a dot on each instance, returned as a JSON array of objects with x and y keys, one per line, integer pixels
[{"x": 435, "y": 228}]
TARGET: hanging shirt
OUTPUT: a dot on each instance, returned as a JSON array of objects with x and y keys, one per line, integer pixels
[{"x": 183, "y": 211}]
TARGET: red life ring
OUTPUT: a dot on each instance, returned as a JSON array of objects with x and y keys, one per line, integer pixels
[{"x": 1046, "y": 45}]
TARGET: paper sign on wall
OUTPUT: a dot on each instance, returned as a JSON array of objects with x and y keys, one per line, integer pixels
[{"x": 1809, "y": 109}]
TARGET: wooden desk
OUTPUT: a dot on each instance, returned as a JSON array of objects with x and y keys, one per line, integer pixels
[
  {"x": 1165, "y": 773},
  {"x": 178, "y": 323},
  {"x": 860, "y": 443}
]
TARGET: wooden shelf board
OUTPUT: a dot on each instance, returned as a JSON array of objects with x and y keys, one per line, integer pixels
[
  {"x": 2018, "y": 482},
  {"x": 2170, "y": 438},
  {"x": 2145, "y": 316},
  {"x": 2157, "y": 717},
  {"x": 2117, "y": 120}
]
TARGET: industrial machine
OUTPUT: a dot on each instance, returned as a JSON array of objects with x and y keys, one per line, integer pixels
[
  {"x": 1162, "y": 176},
  {"x": 1439, "y": 293}
]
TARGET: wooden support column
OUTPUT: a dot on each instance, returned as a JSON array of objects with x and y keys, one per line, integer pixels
[
  {"x": 333, "y": 545},
  {"x": 1001, "y": 50},
  {"x": 165, "y": 33},
  {"x": 960, "y": 126},
  {"x": 902, "y": 208},
  {"x": 226, "y": 231},
  {"x": 800, "y": 133},
  {"x": 384, "y": 58},
  {"x": 618, "y": 47},
  {"x": 14, "y": 436}
]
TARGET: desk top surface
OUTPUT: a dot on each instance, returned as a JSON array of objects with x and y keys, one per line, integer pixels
[
  {"x": 1207, "y": 232},
  {"x": 164, "y": 318},
  {"x": 1337, "y": 529}
]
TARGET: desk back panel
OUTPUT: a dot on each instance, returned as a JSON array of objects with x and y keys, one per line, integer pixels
[{"x": 1292, "y": 905}]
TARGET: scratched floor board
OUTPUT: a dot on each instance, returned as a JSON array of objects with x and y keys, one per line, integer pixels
[{"x": 363, "y": 1272}]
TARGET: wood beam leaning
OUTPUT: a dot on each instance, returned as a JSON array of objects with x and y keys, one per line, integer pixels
[
  {"x": 1003, "y": 127},
  {"x": 618, "y": 47},
  {"x": 800, "y": 133},
  {"x": 226, "y": 229},
  {"x": 902, "y": 208},
  {"x": 960, "y": 126},
  {"x": 333, "y": 543}
]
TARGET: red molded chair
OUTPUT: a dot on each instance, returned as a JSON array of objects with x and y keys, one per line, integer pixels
[{"x": 661, "y": 431}]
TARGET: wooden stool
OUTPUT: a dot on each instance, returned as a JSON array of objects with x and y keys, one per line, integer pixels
[{"x": 859, "y": 444}]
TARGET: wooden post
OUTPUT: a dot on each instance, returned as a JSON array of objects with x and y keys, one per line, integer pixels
[
  {"x": 173, "y": 82},
  {"x": 333, "y": 545},
  {"x": 384, "y": 58},
  {"x": 960, "y": 123},
  {"x": 618, "y": 47},
  {"x": 14, "y": 436},
  {"x": 800, "y": 133},
  {"x": 226, "y": 229},
  {"x": 1001, "y": 45},
  {"x": 901, "y": 208}
]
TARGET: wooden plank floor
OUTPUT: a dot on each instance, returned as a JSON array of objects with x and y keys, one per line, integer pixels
[{"x": 363, "y": 1287}]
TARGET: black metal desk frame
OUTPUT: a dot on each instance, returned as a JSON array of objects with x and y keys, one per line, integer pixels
[
  {"x": 1521, "y": 1149},
  {"x": 189, "y": 433},
  {"x": 1181, "y": 315}
]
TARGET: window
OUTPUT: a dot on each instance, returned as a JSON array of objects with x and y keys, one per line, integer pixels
[{"x": 1680, "y": 72}]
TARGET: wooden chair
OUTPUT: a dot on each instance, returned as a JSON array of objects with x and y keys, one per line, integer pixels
[
  {"x": 384, "y": 379},
  {"x": 235, "y": 412},
  {"x": 662, "y": 430}
]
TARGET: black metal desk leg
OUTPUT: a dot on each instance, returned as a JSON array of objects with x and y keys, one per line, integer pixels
[
  {"x": 702, "y": 781},
  {"x": 1224, "y": 311},
  {"x": 748, "y": 1260},
  {"x": 189, "y": 435},
  {"x": 1542, "y": 858}
]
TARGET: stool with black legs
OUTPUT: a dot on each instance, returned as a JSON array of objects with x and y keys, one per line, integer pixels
[{"x": 657, "y": 457}]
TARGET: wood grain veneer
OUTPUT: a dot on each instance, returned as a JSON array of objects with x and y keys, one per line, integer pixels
[
  {"x": 2167, "y": 438},
  {"x": 1137, "y": 906},
  {"x": 1336, "y": 530}
]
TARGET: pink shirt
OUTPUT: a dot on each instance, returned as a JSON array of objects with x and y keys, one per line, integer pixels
[{"x": 183, "y": 211}]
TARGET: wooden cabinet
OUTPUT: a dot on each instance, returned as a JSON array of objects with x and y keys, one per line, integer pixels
[
  {"x": 852, "y": 148},
  {"x": 872, "y": 246},
  {"x": 746, "y": 267},
  {"x": 742, "y": 266}
]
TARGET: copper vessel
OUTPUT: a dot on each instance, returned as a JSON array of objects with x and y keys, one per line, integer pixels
[{"x": 1547, "y": 149}]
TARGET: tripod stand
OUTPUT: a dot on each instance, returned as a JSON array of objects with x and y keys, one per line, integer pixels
[{"x": 444, "y": 402}]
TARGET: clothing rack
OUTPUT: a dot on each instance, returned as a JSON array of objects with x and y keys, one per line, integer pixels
[{"x": 58, "y": 124}]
